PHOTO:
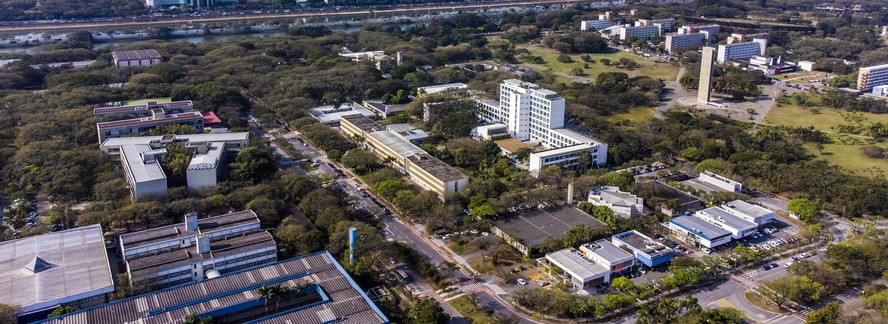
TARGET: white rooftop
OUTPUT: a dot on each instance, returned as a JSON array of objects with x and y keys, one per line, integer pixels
[
  {"x": 608, "y": 251},
  {"x": 575, "y": 264},
  {"x": 441, "y": 88},
  {"x": 562, "y": 150},
  {"x": 208, "y": 160},
  {"x": 332, "y": 114},
  {"x": 395, "y": 143},
  {"x": 730, "y": 220},
  {"x": 748, "y": 209},
  {"x": 613, "y": 195},
  {"x": 141, "y": 171},
  {"x": 575, "y": 136},
  {"x": 77, "y": 268},
  {"x": 210, "y": 137}
]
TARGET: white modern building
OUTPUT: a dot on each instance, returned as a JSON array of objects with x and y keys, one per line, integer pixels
[
  {"x": 666, "y": 23},
  {"x": 806, "y": 66},
  {"x": 594, "y": 263},
  {"x": 65, "y": 268},
  {"x": 596, "y": 24},
  {"x": 642, "y": 32},
  {"x": 881, "y": 90},
  {"x": 492, "y": 131},
  {"x": 741, "y": 51},
  {"x": 534, "y": 114},
  {"x": 750, "y": 212},
  {"x": 408, "y": 132},
  {"x": 675, "y": 42},
  {"x": 710, "y": 29},
  {"x": 719, "y": 181},
  {"x": 439, "y": 88},
  {"x": 196, "y": 250},
  {"x": 621, "y": 202},
  {"x": 141, "y": 125},
  {"x": 144, "y": 57},
  {"x": 140, "y": 159},
  {"x": 738, "y": 226},
  {"x": 872, "y": 76},
  {"x": 698, "y": 232},
  {"x": 331, "y": 114}
]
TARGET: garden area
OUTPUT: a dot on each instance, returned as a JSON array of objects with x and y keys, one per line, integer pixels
[{"x": 598, "y": 65}]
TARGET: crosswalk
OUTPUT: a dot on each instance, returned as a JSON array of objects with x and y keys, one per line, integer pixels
[
  {"x": 471, "y": 287},
  {"x": 745, "y": 281},
  {"x": 802, "y": 314}
]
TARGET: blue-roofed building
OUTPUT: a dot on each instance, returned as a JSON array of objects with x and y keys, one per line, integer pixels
[
  {"x": 318, "y": 291},
  {"x": 646, "y": 250},
  {"x": 698, "y": 232}
]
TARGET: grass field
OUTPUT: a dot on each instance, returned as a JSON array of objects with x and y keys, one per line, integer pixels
[
  {"x": 633, "y": 116},
  {"x": 794, "y": 115},
  {"x": 648, "y": 68},
  {"x": 801, "y": 77},
  {"x": 760, "y": 22},
  {"x": 848, "y": 154},
  {"x": 471, "y": 312},
  {"x": 144, "y": 101}
]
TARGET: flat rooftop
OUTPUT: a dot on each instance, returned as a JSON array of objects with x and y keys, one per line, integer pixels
[
  {"x": 513, "y": 145},
  {"x": 608, "y": 251},
  {"x": 577, "y": 137},
  {"x": 748, "y": 209},
  {"x": 209, "y": 159},
  {"x": 562, "y": 150},
  {"x": 332, "y": 114},
  {"x": 613, "y": 195},
  {"x": 363, "y": 123},
  {"x": 572, "y": 262},
  {"x": 237, "y": 244},
  {"x": 385, "y": 108},
  {"x": 141, "y": 171},
  {"x": 533, "y": 228},
  {"x": 699, "y": 227},
  {"x": 77, "y": 266},
  {"x": 437, "y": 168},
  {"x": 150, "y": 121},
  {"x": 702, "y": 186},
  {"x": 142, "y": 54},
  {"x": 341, "y": 297},
  {"x": 644, "y": 244},
  {"x": 169, "y": 232},
  {"x": 209, "y": 137},
  {"x": 731, "y": 220},
  {"x": 144, "y": 108},
  {"x": 441, "y": 88},
  {"x": 399, "y": 145}
]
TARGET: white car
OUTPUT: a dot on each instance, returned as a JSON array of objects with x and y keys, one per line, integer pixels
[
  {"x": 522, "y": 282},
  {"x": 706, "y": 250}
]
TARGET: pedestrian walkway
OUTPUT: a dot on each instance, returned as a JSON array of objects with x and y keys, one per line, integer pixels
[
  {"x": 471, "y": 287},
  {"x": 745, "y": 281}
]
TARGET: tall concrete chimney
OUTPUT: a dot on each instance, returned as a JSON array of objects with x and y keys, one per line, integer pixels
[
  {"x": 191, "y": 222},
  {"x": 203, "y": 244},
  {"x": 570, "y": 193}
]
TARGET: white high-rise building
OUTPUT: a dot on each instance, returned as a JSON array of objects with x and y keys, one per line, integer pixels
[
  {"x": 675, "y": 42},
  {"x": 872, "y": 76},
  {"x": 532, "y": 111},
  {"x": 742, "y": 51},
  {"x": 534, "y": 114}
]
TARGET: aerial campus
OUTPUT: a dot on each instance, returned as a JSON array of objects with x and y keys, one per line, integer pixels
[{"x": 551, "y": 161}]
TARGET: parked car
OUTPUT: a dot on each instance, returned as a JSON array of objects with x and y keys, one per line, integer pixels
[{"x": 522, "y": 282}]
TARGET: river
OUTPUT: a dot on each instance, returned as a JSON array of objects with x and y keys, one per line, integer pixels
[{"x": 191, "y": 39}]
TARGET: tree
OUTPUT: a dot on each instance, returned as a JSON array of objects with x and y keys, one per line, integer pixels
[
  {"x": 807, "y": 210},
  {"x": 8, "y": 314},
  {"x": 194, "y": 319},
  {"x": 623, "y": 284},
  {"x": 714, "y": 315},
  {"x": 826, "y": 315},
  {"x": 61, "y": 310},
  {"x": 426, "y": 310},
  {"x": 254, "y": 164},
  {"x": 361, "y": 161},
  {"x": 483, "y": 212},
  {"x": 272, "y": 292}
]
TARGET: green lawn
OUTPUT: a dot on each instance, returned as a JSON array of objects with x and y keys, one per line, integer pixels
[
  {"x": 635, "y": 115},
  {"x": 648, "y": 67},
  {"x": 144, "y": 101},
  {"x": 824, "y": 120},
  {"x": 847, "y": 153},
  {"x": 471, "y": 312}
]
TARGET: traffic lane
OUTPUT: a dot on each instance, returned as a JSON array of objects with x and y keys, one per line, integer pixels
[
  {"x": 494, "y": 304},
  {"x": 400, "y": 232}
]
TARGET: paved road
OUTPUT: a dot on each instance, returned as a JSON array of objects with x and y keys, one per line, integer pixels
[{"x": 299, "y": 15}]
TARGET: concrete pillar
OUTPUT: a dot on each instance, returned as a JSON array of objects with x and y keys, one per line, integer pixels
[{"x": 706, "y": 64}]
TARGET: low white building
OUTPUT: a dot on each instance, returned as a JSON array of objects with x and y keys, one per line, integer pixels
[
  {"x": 750, "y": 212},
  {"x": 621, "y": 202},
  {"x": 806, "y": 66},
  {"x": 881, "y": 90},
  {"x": 439, "y": 88},
  {"x": 331, "y": 114},
  {"x": 490, "y": 131},
  {"x": 698, "y": 232},
  {"x": 203, "y": 170},
  {"x": 738, "y": 226},
  {"x": 596, "y": 24},
  {"x": 720, "y": 181},
  {"x": 594, "y": 263}
]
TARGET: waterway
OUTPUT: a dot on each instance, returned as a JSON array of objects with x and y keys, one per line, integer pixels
[{"x": 191, "y": 39}]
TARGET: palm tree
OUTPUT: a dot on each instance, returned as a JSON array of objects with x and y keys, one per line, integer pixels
[
  {"x": 268, "y": 293},
  {"x": 193, "y": 319}
]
